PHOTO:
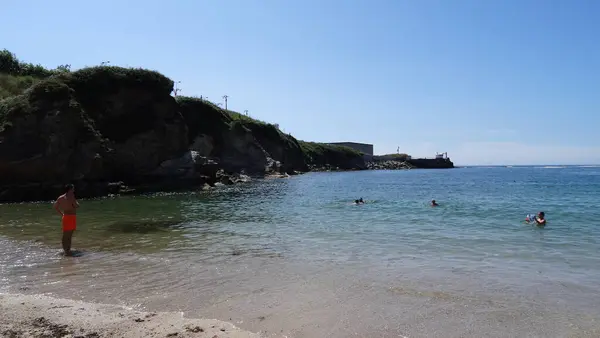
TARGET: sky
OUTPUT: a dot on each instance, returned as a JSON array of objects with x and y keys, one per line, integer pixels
[{"x": 488, "y": 82}]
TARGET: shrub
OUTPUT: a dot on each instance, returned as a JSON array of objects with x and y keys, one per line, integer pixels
[
  {"x": 95, "y": 81},
  {"x": 15, "y": 85},
  {"x": 10, "y": 64}
]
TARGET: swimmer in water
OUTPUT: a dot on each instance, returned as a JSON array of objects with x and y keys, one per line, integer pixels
[
  {"x": 359, "y": 201},
  {"x": 540, "y": 219},
  {"x": 434, "y": 203}
]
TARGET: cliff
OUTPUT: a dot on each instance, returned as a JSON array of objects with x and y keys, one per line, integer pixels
[{"x": 112, "y": 129}]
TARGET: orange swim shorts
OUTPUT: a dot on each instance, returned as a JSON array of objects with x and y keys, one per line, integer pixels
[{"x": 69, "y": 222}]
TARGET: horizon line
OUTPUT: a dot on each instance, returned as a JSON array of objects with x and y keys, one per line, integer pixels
[{"x": 525, "y": 165}]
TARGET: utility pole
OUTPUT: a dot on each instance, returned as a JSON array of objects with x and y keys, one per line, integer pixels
[
  {"x": 225, "y": 97},
  {"x": 246, "y": 112},
  {"x": 176, "y": 90}
]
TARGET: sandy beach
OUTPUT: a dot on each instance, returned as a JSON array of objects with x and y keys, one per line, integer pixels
[{"x": 41, "y": 316}]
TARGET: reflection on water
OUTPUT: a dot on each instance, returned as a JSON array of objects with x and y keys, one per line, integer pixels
[{"x": 297, "y": 255}]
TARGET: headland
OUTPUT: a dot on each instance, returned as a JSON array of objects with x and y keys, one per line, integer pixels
[{"x": 113, "y": 130}]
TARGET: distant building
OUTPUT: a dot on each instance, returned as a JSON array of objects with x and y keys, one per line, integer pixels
[
  {"x": 365, "y": 148},
  {"x": 441, "y": 156}
]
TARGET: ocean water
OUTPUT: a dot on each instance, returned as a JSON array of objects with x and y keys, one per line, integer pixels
[{"x": 295, "y": 258}]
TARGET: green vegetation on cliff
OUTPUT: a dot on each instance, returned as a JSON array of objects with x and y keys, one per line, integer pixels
[
  {"x": 17, "y": 76},
  {"x": 397, "y": 157},
  {"x": 14, "y": 85},
  {"x": 11, "y": 65}
]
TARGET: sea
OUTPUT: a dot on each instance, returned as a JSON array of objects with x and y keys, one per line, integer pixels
[{"x": 296, "y": 257}]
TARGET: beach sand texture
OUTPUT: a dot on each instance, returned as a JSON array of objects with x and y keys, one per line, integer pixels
[{"x": 42, "y": 316}]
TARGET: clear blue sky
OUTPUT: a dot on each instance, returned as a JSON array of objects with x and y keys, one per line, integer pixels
[{"x": 488, "y": 81}]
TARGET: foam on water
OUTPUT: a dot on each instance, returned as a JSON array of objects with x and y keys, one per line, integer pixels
[{"x": 296, "y": 254}]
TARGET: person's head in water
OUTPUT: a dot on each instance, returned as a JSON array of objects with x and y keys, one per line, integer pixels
[
  {"x": 356, "y": 201},
  {"x": 434, "y": 203},
  {"x": 541, "y": 215},
  {"x": 69, "y": 189}
]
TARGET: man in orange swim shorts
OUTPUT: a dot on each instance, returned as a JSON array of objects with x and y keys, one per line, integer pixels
[{"x": 65, "y": 205}]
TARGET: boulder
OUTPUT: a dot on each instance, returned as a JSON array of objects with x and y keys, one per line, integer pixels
[{"x": 189, "y": 165}]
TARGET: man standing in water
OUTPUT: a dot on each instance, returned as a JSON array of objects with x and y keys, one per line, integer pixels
[{"x": 65, "y": 205}]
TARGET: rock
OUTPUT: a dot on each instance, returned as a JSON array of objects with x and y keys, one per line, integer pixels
[
  {"x": 46, "y": 140},
  {"x": 184, "y": 166},
  {"x": 284, "y": 150},
  {"x": 394, "y": 162},
  {"x": 54, "y": 330},
  {"x": 223, "y": 177},
  {"x": 243, "y": 152},
  {"x": 203, "y": 144},
  {"x": 12, "y": 333},
  {"x": 195, "y": 329},
  {"x": 389, "y": 165}
]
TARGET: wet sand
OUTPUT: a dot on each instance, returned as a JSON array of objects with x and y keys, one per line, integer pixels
[{"x": 41, "y": 316}]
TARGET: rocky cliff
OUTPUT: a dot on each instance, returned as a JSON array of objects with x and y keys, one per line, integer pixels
[{"x": 111, "y": 129}]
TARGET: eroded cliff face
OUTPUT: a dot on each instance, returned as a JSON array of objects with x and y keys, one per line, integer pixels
[
  {"x": 46, "y": 139},
  {"x": 111, "y": 129}
]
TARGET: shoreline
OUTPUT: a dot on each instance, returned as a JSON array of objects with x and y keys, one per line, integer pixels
[
  {"x": 140, "y": 190},
  {"x": 39, "y": 315}
]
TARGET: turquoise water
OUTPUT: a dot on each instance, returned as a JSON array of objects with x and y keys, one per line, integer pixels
[{"x": 294, "y": 257}]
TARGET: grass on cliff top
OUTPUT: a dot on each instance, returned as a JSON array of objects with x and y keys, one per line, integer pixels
[
  {"x": 247, "y": 120},
  {"x": 320, "y": 149},
  {"x": 15, "y": 85},
  {"x": 16, "y": 76},
  {"x": 92, "y": 81},
  {"x": 400, "y": 156},
  {"x": 41, "y": 97},
  {"x": 234, "y": 116}
]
